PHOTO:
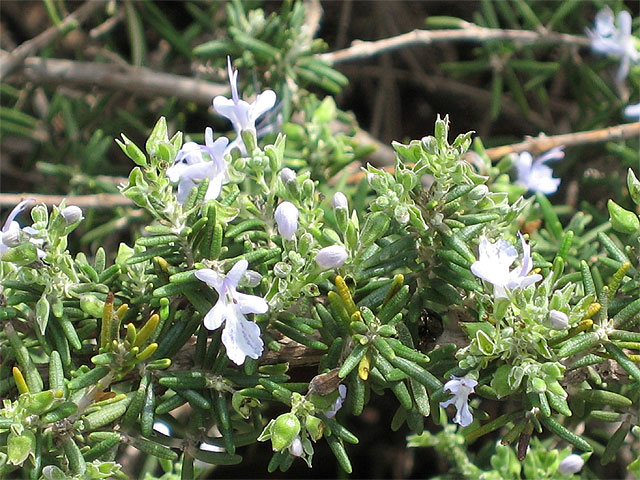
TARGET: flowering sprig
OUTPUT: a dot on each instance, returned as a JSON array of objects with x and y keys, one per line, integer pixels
[{"x": 240, "y": 336}]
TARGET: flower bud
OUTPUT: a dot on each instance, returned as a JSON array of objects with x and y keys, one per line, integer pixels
[
  {"x": 287, "y": 219},
  {"x": 571, "y": 464},
  {"x": 295, "y": 448},
  {"x": 339, "y": 200},
  {"x": 478, "y": 192},
  {"x": 71, "y": 214},
  {"x": 308, "y": 188},
  {"x": 305, "y": 243},
  {"x": 331, "y": 257},
  {"x": 251, "y": 278},
  {"x": 558, "y": 319},
  {"x": 284, "y": 430},
  {"x": 287, "y": 175}
]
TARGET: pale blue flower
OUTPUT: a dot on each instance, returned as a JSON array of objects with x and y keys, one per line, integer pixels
[
  {"x": 460, "y": 388},
  {"x": 495, "y": 261},
  {"x": 240, "y": 336},
  {"x": 243, "y": 115},
  {"x": 609, "y": 39},
  {"x": 190, "y": 167},
  {"x": 633, "y": 112},
  {"x": 534, "y": 175}
]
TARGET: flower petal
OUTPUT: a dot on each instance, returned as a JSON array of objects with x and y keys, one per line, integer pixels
[
  {"x": 211, "y": 278},
  {"x": 251, "y": 303},
  {"x": 235, "y": 274},
  {"x": 263, "y": 103},
  {"x": 15, "y": 212},
  {"x": 241, "y": 338},
  {"x": 214, "y": 317}
]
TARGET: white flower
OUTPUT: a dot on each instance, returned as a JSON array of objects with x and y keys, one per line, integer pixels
[
  {"x": 10, "y": 232},
  {"x": 295, "y": 448},
  {"x": 461, "y": 388},
  {"x": 495, "y": 260},
  {"x": 243, "y": 115},
  {"x": 558, "y": 319},
  {"x": 571, "y": 464},
  {"x": 240, "y": 336},
  {"x": 607, "y": 39},
  {"x": 632, "y": 112},
  {"x": 535, "y": 175},
  {"x": 331, "y": 257},
  {"x": 71, "y": 214},
  {"x": 339, "y": 200},
  {"x": 190, "y": 167},
  {"x": 286, "y": 216},
  {"x": 337, "y": 405}
]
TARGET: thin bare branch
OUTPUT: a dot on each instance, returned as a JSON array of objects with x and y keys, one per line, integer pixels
[
  {"x": 138, "y": 80},
  {"x": 11, "y": 62},
  {"x": 542, "y": 143},
  {"x": 100, "y": 200},
  {"x": 468, "y": 32}
]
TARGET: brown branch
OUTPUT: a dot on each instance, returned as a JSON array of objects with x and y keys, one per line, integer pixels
[
  {"x": 13, "y": 60},
  {"x": 469, "y": 32},
  {"x": 99, "y": 200},
  {"x": 543, "y": 143},
  {"x": 138, "y": 80}
]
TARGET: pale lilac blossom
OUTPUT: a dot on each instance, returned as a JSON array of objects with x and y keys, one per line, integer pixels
[
  {"x": 535, "y": 175},
  {"x": 460, "y": 388},
  {"x": 337, "y": 405},
  {"x": 243, "y": 115},
  {"x": 495, "y": 260},
  {"x": 240, "y": 336},
  {"x": 607, "y": 38},
  {"x": 71, "y": 214},
  {"x": 190, "y": 167},
  {"x": 571, "y": 464},
  {"x": 286, "y": 216},
  {"x": 331, "y": 257},
  {"x": 632, "y": 112},
  {"x": 11, "y": 233}
]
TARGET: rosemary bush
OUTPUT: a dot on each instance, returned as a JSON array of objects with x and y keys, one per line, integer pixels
[{"x": 501, "y": 324}]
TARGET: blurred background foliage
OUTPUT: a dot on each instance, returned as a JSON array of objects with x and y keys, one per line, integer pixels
[{"x": 56, "y": 135}]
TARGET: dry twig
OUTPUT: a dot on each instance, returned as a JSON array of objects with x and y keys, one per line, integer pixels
[
  {"x": 468, "y": 32},
  {"x": 542, "y": 143},
  {"x": 99, "y": 200},
  {"x": 138, "y": 80},
  {"x": 12, "y": 61}
]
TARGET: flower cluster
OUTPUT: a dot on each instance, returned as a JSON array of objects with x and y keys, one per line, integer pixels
[{"x": 191, "y": 167}]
